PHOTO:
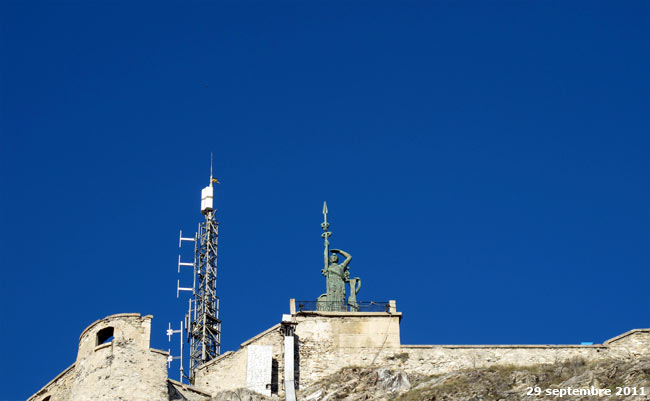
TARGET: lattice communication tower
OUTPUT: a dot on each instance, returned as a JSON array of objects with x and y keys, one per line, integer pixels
[{"x": 202, "y": 322}]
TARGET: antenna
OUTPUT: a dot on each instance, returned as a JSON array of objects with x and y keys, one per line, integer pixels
[
  {"x": 170, "y": 358},
  {"x": 202, "y": 323},
  {"x": 192, "y": 264}
]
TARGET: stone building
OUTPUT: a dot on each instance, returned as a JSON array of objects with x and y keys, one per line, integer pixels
[{"x": 115, "y": 362}]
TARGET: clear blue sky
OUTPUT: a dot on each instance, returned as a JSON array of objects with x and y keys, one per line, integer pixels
[{"x": 487, "y": 165}]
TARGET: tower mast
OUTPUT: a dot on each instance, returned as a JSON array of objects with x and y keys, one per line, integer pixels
[{"x": 204, "y": 329}]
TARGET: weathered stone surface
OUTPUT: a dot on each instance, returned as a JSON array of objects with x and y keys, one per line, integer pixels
[
  {"x": 353, "y": 384},
  {"x": 58, "y": 388},
  {"x": 328, "y": 342},
  {"x": 181, "y": 392},
  {"x": 634, "y": 343},
  {"x": 359, "y": 353},
  {"x": 439, "y": 359},
  {"x": 241, "y": 394},
  {"x": 392, "y": 382},
  {"x": 229, "y": 371},
  {"x": 499, "y": 382},
  {"x": 123, "y": 368},
  {"x": 258, "y": 369}
]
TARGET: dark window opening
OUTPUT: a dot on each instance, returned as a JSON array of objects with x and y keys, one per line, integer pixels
[
  {"x": 46, "y": 398},
  {"x": 104, "y": 336},
  {"x": 274, "y": 376}
]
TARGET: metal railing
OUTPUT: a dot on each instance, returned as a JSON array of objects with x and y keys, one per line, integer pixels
[{"x": 329, "y": 306}]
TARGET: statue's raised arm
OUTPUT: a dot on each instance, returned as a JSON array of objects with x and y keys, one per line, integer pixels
[{"x": 348, "y": 257}]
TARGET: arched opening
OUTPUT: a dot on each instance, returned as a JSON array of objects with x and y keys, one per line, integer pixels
[
  {"x": 46, "y": 398},
  {"x": 104, "y": 335}
]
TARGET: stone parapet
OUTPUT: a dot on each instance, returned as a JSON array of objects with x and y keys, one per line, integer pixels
[
  {"x": 433, "y": 360},
  {"x": 128, "y": 327}
]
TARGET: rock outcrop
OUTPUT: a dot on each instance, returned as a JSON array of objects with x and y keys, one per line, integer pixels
[{"x": 496, "y": 383}]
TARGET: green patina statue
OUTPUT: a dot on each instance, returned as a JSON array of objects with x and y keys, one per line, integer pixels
[
  {"x": 355, "y": 286},
  {"x": 337, "y": 275}
]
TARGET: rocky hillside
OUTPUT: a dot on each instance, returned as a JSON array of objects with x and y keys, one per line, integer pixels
[{"x": 500, "y": 383}]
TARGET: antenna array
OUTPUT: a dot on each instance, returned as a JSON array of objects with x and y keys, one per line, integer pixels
[
  {"x": 202, "y": 323},
  {"x": 204, "y": 330}
]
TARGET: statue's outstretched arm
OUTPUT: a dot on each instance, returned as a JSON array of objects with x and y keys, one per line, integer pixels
[{"x": 348, "y": 257}]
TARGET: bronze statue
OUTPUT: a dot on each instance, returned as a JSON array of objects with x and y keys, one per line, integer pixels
[
  {"x": 336, "y": 276},
  {"x": 355, "y": 286}
]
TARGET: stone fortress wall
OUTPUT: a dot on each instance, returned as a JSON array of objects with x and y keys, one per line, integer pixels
[
  {"x": 115, "y": 362},
  {"x": 230, "y": 370},
  {"x": 57, "y": 389},
  {"x": 326, "y": 342}
]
